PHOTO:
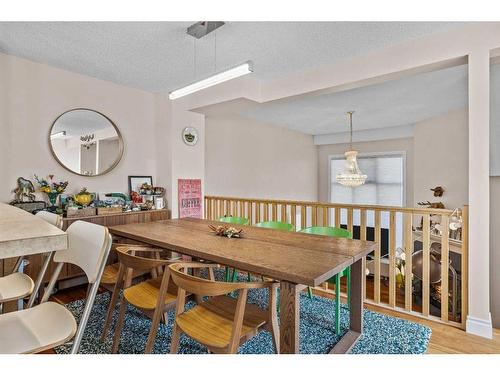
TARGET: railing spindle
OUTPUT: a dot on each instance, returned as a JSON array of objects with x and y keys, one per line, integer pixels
[
  {"x": 274, "y": 212},
  {"x": 376, "y": 294},
  {"x": 283, "y": 218},
  {"x": 337, "y": 217},
  {"x": 293, "y": 216},
  {"x": 242, "y": 209},
  {"x": 314, "y": 216},
  {"x": 303, "y": 217},
  {"x": 426, "y": 264},
  {"x": 408, "y": 234},
  {"x": 445, "y": 248},
  {"x": 349, "y": 220},
  {"x": 362, "y": 236},
  {"x": 392, "y": 258},
  {"x": 250, "y": 212}
]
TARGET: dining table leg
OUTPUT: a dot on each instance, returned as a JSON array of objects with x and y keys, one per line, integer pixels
[
  {"x": 289, "y": 318},
  {"x": 355, "y": 331}
]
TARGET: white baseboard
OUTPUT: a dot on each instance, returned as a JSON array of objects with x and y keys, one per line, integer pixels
[{"x": 479, "y": 327}]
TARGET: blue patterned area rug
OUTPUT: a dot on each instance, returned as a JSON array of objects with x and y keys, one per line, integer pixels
[{"x": 382, "y": 334}]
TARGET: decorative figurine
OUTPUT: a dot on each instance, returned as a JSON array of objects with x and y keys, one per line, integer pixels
[
  {"x": 24, "y": 189},
  {"x": 226, "y": 231},
  {"x": 438, "y": 191}
]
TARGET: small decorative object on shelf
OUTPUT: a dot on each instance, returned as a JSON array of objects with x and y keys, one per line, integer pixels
[
  {"x": 226, "y": 231},
  {"x": 146, "y": 189},
  {"x": 136, "y": 197},
  {"x": 24, "y": 189},
  {"x": 25, "y": 196},
  {"x": 140, "y": 184},
  {"x": 438, "y": 191},
  {"x": 83, "y": 198},
  {"x": 51, "y": 188}
]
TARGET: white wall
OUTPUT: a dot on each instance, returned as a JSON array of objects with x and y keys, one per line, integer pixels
[
  {"x": 35, "y": 94},
  {"x": 441, "y": 158},
  {"x": 245, "y": 158}
]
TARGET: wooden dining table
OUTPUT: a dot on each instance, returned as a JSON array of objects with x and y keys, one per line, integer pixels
[{"x": 295, "y": 259}]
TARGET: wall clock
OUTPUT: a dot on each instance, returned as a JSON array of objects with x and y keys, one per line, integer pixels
[{"x": 190, "y": 136}]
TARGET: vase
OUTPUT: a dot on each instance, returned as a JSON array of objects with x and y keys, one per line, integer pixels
[{"x": 52, "y": 198}]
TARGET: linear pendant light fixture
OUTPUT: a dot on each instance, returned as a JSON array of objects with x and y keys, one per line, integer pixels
[{"x": 213, "y": 80}]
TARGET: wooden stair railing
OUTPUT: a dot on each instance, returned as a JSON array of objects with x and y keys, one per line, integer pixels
[{"x": 398, "y": 226}]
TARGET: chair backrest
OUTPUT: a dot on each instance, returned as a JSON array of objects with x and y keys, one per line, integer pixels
[
  {"x": 328, "y": 231},
  {"x": 127, "y": 255},
  {"x": 234, "y": 220},
  {"x": 275, "y": 225},
  {"x": 204, "y": 287},
  {"x": 50, "y": 217},
  {"x": 88, "y": 248}
]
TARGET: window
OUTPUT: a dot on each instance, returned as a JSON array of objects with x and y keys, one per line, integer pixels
[{"x": 384, "y": 186}]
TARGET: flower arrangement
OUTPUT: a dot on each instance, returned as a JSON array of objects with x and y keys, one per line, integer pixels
[{"x": 51, "y": 186}]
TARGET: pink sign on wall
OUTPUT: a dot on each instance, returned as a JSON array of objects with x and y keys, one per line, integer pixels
[{"x": 189, "y": 193}]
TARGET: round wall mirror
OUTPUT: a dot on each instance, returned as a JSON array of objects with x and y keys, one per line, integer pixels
[{"x": 86, "y": 142}]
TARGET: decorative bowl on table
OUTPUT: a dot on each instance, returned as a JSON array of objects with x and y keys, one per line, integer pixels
[{"x": 226, "y": 231}]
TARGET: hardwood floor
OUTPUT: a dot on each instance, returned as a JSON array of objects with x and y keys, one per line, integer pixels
[{"x": 444, "y": 339}]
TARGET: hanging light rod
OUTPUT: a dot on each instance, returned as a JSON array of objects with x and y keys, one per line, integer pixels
[{"x": 213, "y": 80}]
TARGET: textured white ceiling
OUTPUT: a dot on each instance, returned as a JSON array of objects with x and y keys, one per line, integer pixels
[
  {"x": 158, "y": 56},
  {"x": 392, "y": 103}
]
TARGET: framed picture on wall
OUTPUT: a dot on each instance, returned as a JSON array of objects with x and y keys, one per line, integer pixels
[
  {"x": 135, "y": 183},
  {"x": 189, "y": 195}
]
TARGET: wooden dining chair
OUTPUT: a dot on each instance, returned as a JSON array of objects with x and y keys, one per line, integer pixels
[
  {"x": 17, "y": 285},
  {"x": 153, "y": 296},
  {"x": 50, "y": 324},
  {"x": 110, "y": 275},
  {"x": 221, "y": 323}
]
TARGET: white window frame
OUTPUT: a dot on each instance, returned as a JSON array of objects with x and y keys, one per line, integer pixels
[{"x": 367, "y": 155}]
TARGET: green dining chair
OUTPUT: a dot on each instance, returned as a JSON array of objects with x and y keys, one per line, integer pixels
[
  {"x": 237, "y": 221},
  {"x": 275, "y": 225},
  {"x": 234, "y": 220},
  {"x": 278, "y": 225},
  {"x": 334, "y": 232}
]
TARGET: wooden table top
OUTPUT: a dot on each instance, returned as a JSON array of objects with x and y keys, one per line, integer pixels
[
  {"x": 22, "y": 233},
  {"x": 294, "y": 257}
]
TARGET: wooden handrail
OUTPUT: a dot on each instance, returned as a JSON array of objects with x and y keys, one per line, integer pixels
[{"x": 414, "y": 210}]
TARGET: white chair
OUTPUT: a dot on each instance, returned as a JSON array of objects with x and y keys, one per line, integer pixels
[
  {"x": 49, "y": 324},
  {"x": 17, "y": 285}
]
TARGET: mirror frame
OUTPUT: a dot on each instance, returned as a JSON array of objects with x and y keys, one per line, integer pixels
[{"x": 120, "y": 151}]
